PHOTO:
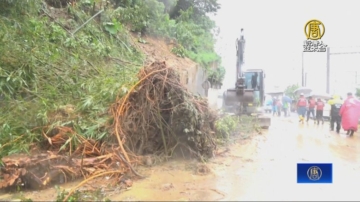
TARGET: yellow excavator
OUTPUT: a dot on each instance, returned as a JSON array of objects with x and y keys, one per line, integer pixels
[{"x": 248, "y": 96}]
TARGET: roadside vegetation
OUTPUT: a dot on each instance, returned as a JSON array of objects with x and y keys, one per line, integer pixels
[
  {"x": 231, "y": 128},
  {"x": 357, "y": 92}
]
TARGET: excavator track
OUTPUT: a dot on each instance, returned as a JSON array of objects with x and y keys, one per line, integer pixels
[{"x": 264, "y": 121}]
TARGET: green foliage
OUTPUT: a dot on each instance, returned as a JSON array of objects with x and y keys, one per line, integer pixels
[
  {"x": 231, "y": 127},
  {"x": 113, "y": 27},
  {"x": 289, "y": 91},
  {"x": 217, "y": 75},
  {"x": 197, "y": 39},
  {"x": 195, "y": 36},
  {"x": 227, "y": 126},
  {"x": 43, "y": 67},
  {"x": 201, "y": 7},
  {"x": 169, "y": 5},
  {"x": 357, "y": 93},
  {"x": 179, "y": 51},
  {"x": 123, "y": 3},
  {"x": 20, "y": 8},
  {"x": 146, "y": 16},
  {"x": 191, "y": 28}
]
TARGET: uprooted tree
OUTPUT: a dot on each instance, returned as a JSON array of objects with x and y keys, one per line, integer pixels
[
  {"x": 161, "y": 114},
  {"x": 156, "y": 116}
]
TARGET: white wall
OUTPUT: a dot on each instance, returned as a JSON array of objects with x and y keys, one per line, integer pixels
[{"x": 213, "y": 98}]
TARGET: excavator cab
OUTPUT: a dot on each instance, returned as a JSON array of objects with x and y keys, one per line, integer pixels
[
  {"x": 255, "y": 82},
  {"x": 248, "y": 97}
]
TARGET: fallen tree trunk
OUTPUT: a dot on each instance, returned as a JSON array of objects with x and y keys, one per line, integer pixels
[{"x": 39, "y": 171}]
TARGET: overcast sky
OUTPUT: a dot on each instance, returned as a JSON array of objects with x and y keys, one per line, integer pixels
[{"x": 274, "y": 33}]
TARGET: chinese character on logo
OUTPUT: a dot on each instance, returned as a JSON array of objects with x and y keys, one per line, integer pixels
[
  {"x": 308, "y": 46},
  {"x": 314, "y": 29}
]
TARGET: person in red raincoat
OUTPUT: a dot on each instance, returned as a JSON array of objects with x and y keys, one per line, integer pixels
[
  {"x": 311, "y": 110},
  {"x": 301, "y": 107},
  {"x": 350, "y": 114},
  {"x": 320, "y": 111}
]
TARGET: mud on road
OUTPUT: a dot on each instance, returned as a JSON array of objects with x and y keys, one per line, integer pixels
[{"x": 263, "y": 168}]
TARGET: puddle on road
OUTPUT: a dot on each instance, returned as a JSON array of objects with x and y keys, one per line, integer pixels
[
  {"x": 262, "y": 169},
  {"x": 187, "y": 186},
  {"x": 306, "y": 143}
]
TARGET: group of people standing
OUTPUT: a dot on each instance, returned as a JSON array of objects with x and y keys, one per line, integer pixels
[
  {"x": 310, "y": 107},
  {"x": 344, "y": 114},
  {"x": 279, "y": 106}
]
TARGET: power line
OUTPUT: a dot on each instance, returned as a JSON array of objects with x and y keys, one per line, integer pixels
[
  {"x": 356, "y": 46},
  {"x": 344, "y": 53},
  {"x": 329, "y": 53}
]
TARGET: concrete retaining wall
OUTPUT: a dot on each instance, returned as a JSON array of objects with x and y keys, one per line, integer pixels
[
  {"x": 213, "y": 98},
  {"x": 193, "y": 78}
]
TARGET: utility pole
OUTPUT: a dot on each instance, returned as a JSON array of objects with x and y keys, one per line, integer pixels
[
  {"x": 328, "y": 65},
  {"x": 328, "y": 70},
  {"x": 356, "y": 78},
  {"x": 302, "y": 71}
]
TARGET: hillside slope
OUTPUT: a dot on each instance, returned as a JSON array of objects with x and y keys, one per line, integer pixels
[
  {"x": 65, "y": 65},
  {"x": 158, "y": 49}
]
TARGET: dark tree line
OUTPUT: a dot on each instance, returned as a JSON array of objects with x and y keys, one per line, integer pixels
[
  {"x": 201, "y": 7},
  {"x": 174, "y": 7}
]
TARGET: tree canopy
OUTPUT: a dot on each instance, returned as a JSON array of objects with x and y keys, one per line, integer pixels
[
  {"x": 201, "y": 7},
  {"x": 357, "y": 93},
  {"x": 289, "y": 91}
]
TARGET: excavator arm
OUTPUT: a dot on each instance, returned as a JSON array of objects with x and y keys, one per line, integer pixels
[{"x": 247, "y": 96}]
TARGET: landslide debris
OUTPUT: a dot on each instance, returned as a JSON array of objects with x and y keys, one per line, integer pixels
[{"x": 156, "y": 116}]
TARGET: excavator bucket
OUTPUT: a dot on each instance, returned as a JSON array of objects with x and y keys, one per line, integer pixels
[{"x": 233, "y": 97}]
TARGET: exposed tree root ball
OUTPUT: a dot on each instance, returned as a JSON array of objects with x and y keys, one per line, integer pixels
[{"x": 160, "y": 114}]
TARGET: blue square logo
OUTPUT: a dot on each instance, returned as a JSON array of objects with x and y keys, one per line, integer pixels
[{"x": 314, "y": 173}]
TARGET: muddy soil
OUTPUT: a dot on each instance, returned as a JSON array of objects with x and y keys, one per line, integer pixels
[{"x": 263, "y": 168}]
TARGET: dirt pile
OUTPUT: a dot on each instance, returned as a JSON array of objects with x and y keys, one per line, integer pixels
[{"x": 156, "y": 116}]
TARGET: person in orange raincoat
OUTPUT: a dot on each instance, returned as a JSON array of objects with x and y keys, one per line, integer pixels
[{"x": 350, "y": 114}]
